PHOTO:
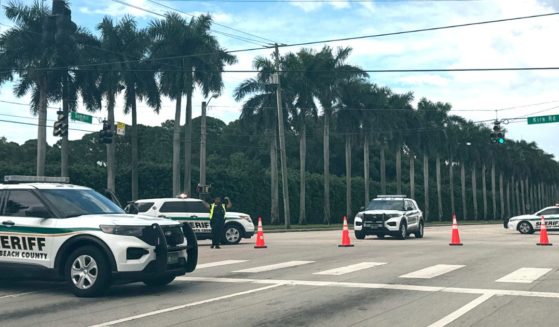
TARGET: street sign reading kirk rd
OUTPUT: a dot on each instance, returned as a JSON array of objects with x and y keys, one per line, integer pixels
[
  {"x": 81, "y": 117},
  {"x": 543, "y": 119}
]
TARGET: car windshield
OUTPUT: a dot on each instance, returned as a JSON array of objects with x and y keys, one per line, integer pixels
[
  {"x": 73, "y": 203},
  {"x": 386, "y": 205}
]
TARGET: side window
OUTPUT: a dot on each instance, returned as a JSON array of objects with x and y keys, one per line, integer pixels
[
  {"x": 144, "y": 206},
  {"x": 2, "y": 195},
  {"x": 408, "y": 205},
  {"x": 24, "y": 203},
  {"x": 176, "y": 206},
  {"x": 196, "y": 207},
  {"x": 547, "y": 212}
]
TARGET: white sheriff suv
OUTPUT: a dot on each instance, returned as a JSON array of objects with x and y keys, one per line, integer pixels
[
  {"x": 394, "y": 215},
  {"x": 528, "y": 224},
  {"x": 53, "y": 230},
  {"x": 194, "y": 212}
]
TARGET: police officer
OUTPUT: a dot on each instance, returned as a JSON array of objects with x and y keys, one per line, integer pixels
[{"x": 218, "y": 210}]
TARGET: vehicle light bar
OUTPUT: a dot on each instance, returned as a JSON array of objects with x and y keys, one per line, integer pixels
[
  {"x": 35, "y": 179},
  {"x": 391, "y": 196}
]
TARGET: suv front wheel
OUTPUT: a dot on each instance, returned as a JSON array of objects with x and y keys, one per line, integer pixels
[
  {"x": 403, "y": 232},
  {"x": 232, "y": 234},
  {"x": 87, "y": 271}
]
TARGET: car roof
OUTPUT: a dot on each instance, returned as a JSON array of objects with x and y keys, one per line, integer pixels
[
  {"x": 41, "y": 186},
  {"x": 168, "y": 199}
]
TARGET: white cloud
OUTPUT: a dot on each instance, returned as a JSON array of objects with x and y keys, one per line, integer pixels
[
  {"x": 308, "y": 6},
  {"x": 425, "y": 80},
  {"x": 137, "y": 8}
]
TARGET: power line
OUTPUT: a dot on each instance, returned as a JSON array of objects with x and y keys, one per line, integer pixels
[
  {"x": 215, "y": 23},
  {"x": 34, "y": 124}
]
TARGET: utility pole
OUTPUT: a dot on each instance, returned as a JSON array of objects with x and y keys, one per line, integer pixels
[
  {"x": 283, "y": 155},
  {"x": 203, "y": 145}
]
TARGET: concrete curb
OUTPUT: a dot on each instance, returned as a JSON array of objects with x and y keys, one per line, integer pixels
[{"x": 442, "y": 224}]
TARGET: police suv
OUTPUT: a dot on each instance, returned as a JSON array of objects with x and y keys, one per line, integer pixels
[
  {"x": 53, "y": 230},
  {"x": 528, "y": 224},
  {"x": 394, "y": 215},
  {"x": 194, "y": 213}
]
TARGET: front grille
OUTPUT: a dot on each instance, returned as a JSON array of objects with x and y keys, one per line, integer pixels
[
  {"x": 173, "y": 235},
  {"x": 373, "y": 218}
]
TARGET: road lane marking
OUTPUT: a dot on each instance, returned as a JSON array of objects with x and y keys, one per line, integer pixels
[
  {"x": 282, "y": 265},
  {"x": 15, "y": 295},
  {"x": 179, "y": 307},
  {"x": 349, "y": 269},
  {"x": 219, "y": 263},
  {"x": 462, "y": 311},
  {"x": 432, "y": 271},
  {"x": 397, "y": 287},
  {"x": 524, "y": 275}
]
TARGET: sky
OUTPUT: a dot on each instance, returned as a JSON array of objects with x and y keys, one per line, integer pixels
[{"x": 478, "y": 96}]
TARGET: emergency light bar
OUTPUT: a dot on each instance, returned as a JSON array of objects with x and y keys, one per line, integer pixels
[
  {"x": 398, "y": 196},
  {"x": 14, "y": 179}
]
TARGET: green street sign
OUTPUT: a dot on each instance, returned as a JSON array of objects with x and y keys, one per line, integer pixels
[
  {"x": 543, "y": 119},
  {"x": 81, "y": 117}
]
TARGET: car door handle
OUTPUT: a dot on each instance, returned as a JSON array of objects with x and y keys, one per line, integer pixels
[{"x": 8, "y": 223}]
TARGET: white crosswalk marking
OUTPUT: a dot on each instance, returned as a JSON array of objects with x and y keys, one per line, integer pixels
[
  {"x": 524, "y": 275},
  {"x": 432, "y": 271},
  {"x": 219, "y": 263},
  {"x": 274, "y": 267},
  {"x": 349, "y": 269}
]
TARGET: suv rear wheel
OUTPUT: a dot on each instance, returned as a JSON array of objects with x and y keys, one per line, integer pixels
[
  {"x": 419, "y": 233},
  {"x": 88, "y": 272},
  {"x": 232, "y": 234}
]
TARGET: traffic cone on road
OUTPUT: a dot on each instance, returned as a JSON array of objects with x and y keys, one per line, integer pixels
[
  {"x": 544, "y": 240},
  {"x": 455, "y": 240},
  {"x": 346, "y": 242},
  {"x": 260, "y": 244}
]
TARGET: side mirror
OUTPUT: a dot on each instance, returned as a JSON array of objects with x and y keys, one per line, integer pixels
[
  {"x": 131, "y": 208},
  {"x": 40, "y": 212},
  {"x": 409, "y": 209},
  {"x": 361, "y": 208}
]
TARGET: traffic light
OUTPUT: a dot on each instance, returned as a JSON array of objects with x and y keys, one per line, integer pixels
[
  {"x": 61, "y": 124},
  {"x": 106, "y": 134},
  {"x": 498, "y": 134}
]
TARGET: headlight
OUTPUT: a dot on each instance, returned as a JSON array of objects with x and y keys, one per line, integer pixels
[
  {"x": 246, "y": 218},
  {"x": 135, "y": 231}
]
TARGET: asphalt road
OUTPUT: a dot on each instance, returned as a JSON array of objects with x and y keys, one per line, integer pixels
[{"x": 498, "y": 278}]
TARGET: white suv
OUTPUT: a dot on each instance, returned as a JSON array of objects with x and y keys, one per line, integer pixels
[
  {"x": 394, "y": 215},
  {"x": 52, "y": 230},
  {"x": 193, "y": 212}
]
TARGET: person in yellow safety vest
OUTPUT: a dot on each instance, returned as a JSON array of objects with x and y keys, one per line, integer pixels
[{"x": 218, "y": 210}]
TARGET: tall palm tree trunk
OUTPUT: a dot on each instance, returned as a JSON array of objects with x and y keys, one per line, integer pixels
[
  {"x": 463, "y": 184},
  {"x": 522, "y": 197},
  {"x": 484, "y": 190},
  {"x": 439, "y": 193},
  {"x": 451, "y": 185},
  {"x": 493, "y": 190},
  {"x": 348, "y": 174},
  {"x": 366, "y": 168},
  {"x": 64, "y": 148},
  {"x": 302, "y": 157},
  {"x": 134, "y": 151},
  {"x": 474, "y": 191},
  {"x": 382, "y": 170},
  {"x": 177, "y": 146},
  {"x": 42, "y": 128},
  {"x": 326, "y": 161},
  {"x": 412, "y": 175},
  {"x": 274, "y": 176},
  {"x": 188, "y": 144},
  {"x": 518, "y": 202},
  {"x": 111, "y": 160},
  {"x": 509, "y": 213},
  {"x": 399, "y": 170},
  {"x": 426, "y": 184}
]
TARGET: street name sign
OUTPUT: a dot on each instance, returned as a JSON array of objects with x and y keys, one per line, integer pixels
[
  {"x": 81, "y": 117},
  {"x": 543, "y": 119}
]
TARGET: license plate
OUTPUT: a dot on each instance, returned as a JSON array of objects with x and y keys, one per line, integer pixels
[{"x": 172, "y": 258}]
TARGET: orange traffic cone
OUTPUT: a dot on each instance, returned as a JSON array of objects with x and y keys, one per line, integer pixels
[
  {"x": 346, "y": 242},
  {"x": 455, "y": 240},
  {"x": 544, "y": 240},
  {"x": 260, "y": 244}
]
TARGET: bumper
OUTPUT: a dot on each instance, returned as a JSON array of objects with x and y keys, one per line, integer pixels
[
  {"x": 389, "y": 226},
  {"x": 512, "y": 225}
]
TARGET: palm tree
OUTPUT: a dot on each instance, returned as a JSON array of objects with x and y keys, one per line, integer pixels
[
  {"x": 338, "y": 71},
  {"x": 28, "y": 55},
  {"x": 259, "y": 111},
  {"x": 202, "y": 70}
]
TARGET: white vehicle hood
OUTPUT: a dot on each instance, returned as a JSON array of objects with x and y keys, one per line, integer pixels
[
  {"x": 380, "y": 212},
  {"x": 122, "y": 219},
  {"x": 234, "y": 214}
]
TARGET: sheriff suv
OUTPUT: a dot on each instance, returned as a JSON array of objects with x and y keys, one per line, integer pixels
[
  {"x": 53, "y": 230},
  {"x": 528, "y": 224},
  {"x": 194, "y": 213},
  {"x": 394, "y": 215}
]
